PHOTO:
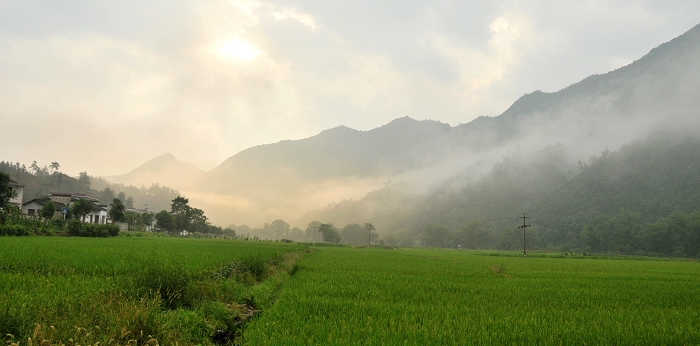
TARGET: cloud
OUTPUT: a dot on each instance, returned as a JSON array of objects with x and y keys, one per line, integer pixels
[{"x": 130, "y": 80}]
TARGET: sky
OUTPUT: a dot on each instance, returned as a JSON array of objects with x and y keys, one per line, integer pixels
[{"x": 104, "y": 86}]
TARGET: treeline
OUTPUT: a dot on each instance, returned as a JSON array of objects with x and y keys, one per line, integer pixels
[
  {"x": 184, "y": 219},
  {"x": 315, "y": 232},
  {"x": 677, "y": 235},
  {"x": 41, "y": 180},
  {"x": 156, "y": 196}
]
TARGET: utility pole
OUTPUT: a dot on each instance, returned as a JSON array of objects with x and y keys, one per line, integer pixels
[
  {"x": 524, "y": 226},
  {"x": 369, "y": 234}
]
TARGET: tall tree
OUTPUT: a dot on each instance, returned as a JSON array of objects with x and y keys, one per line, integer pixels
[
  {"x": 107, "y": 195},
  {"x": 146, "y": 219},
  {"x": 6, "y": 192},
  {"x": 116, "y": 210},
  {"x": 34, "y": 167},
  {"x": 181, "y": 210},
  {"x": 164, "y": 221},
  {"x": 84, "y": 180},
  {"x": 311, "y": 230},
  {"x": 277, "y": 229},
  {"x": 54, "y": 166},
  {"x": 330, "y": 233},
  {"x": 81, "y": 208},
  {"x": 354, "y": 234},
  {"x": 198, "y": 222}
]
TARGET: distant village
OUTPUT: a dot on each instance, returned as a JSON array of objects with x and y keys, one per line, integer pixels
[{"x": 63, "y": 200}]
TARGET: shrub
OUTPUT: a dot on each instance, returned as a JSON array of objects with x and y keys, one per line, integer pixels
[
  {"x": 18, "y": 230},
  {"x": 112, "y": 230},
  {"x": 74, "y": 227}
]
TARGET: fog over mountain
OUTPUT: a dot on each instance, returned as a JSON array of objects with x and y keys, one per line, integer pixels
[
  {"x": 408, "y": 159},
  {"x": 165, "y": 170}
]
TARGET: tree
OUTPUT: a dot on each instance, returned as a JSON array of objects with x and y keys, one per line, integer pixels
[
  {"x": 180, "y": 211},
  {"x": 356, "y": 234},
  {"x": 106, "y": 195},
  {"x": 6, "y": 192},
  {"x": 129, "y": 202},
  {"x": 34, "y": 167},
  {"x": 164, "y": 221},
  {"x": 116, "y": 210},
  {"x": 435, "y": 236},
  {"x": 330, "y": 233},
  {"x": 311, "y": 230},
  {"x": 243, "y": 230},
  {"x": 296, "y": 233},
  {"x": 370, "y": 235},
  {"x": 277, "y": 229},
  {"x": 122, "y": 196},
  {"x": 475, "y": 236},
  {"x": 132, "y": 219},
  {"x": 198, "y": 222},
  {"x": 54, "y": 166},
  {"x": 84, "y": 180},
  {"x": 146, "y": 219},
  {"x": 81, "y": 208},
  {"x": 231, "y": 232},
  {"x": 48, "y": 210}
]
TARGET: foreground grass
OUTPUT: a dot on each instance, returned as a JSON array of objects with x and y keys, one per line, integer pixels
[
  {"x": 422, "y": 297},
  {"x": 135, "y": 290}
]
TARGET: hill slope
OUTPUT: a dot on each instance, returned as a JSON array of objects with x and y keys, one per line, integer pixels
[{"x": 163, "y": 170}]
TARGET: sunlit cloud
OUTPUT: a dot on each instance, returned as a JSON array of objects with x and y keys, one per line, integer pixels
[
  {"x": 236, "y": 50},
  {"x": 302, "y": 18}
]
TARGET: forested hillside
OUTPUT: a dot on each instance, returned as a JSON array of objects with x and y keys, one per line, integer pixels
[
  {"x": 39, "y": 181},
  {"x": 628, "y": 191}
]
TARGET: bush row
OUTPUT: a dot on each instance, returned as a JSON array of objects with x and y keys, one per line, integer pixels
[
  {"x": 14, "y": 224},
  {"x": 79, "y": 229}
]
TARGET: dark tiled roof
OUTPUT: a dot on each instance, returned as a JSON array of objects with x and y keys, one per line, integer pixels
[
  {"x": 42, "y": 202},
  {"x": 15, "y": 182}
]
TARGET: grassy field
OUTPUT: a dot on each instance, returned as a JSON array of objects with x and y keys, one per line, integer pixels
[
  {"x": 134, "y": 290},
  {"x": 148, "y": 290},
  {"x": 423, "y": 297}
]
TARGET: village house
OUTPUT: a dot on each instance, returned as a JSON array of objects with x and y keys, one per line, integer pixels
[
  {"x": 33, "y": 207},
  {"x": 63, "y": 200},
  {"x": 19, "y": 189}
]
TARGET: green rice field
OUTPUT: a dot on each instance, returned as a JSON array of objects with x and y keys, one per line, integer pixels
[
  {"x": 423, "y": 297},
  {"x": 134, "y": 290},
  {"x": 150, "y": 290}
]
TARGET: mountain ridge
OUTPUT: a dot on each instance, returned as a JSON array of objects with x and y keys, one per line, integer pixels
[{"x": 601, "y": 111}]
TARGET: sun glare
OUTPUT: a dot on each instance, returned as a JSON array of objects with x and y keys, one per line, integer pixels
[{"x": 237, "y": 50}]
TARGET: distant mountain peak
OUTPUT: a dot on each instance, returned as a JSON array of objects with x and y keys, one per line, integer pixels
[
  {"x": 164, "y": 169},
  {"x": 164, "y": 158},
  {"x": 340, "y": 128}
]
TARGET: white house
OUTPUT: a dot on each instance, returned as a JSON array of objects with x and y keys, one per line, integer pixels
[
  {"x": 34, "y": 206},
  {"x": 62, "y": 200},
  {"x": 19, "y": 188}
]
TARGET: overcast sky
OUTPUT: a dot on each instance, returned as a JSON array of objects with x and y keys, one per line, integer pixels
[{"x": 104, "y": 86}]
